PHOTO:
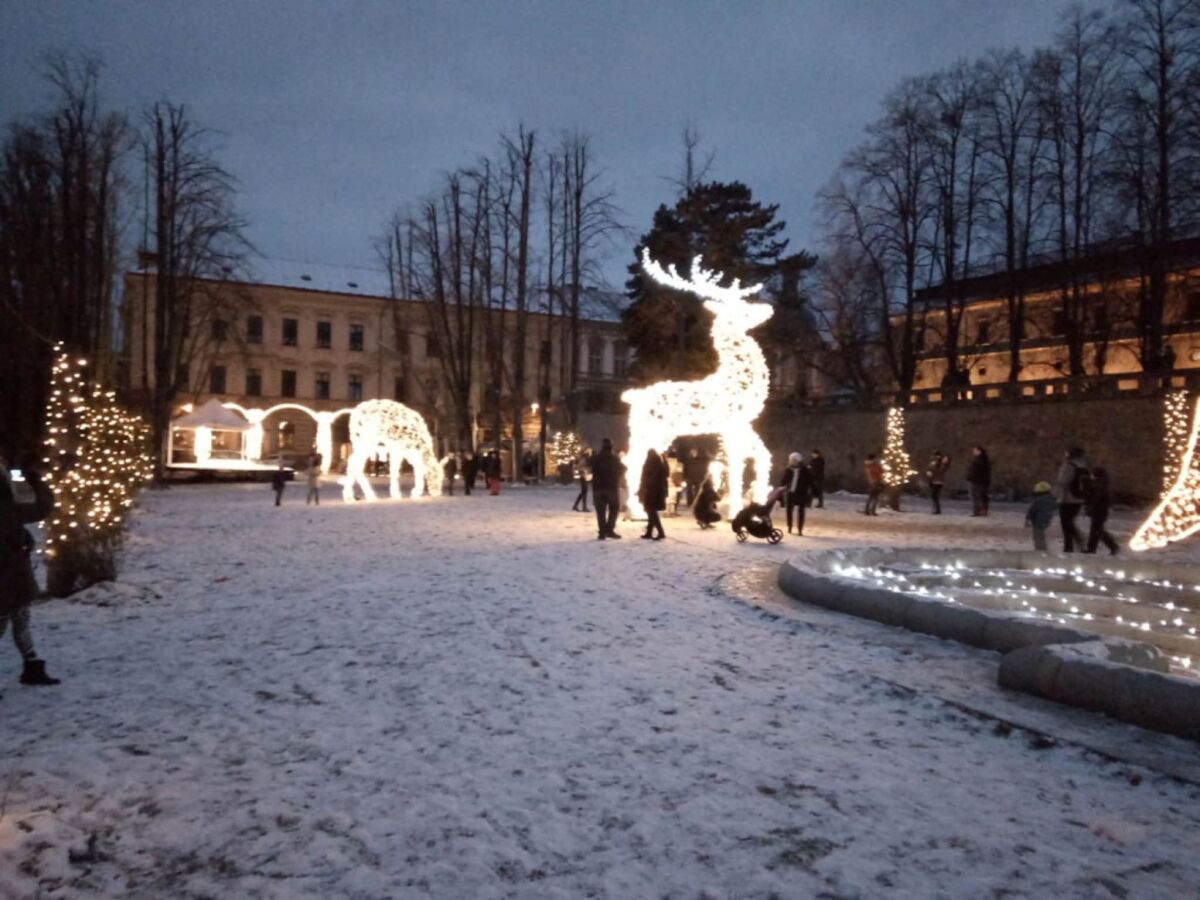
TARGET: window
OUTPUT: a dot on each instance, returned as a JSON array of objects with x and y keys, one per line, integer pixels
[
  {"x": 1192, "y": 306},
  {"x": 983, "y": 332},
  {"x": 216, "y": 380},
  {"x": 291, "y": 328},
  {"x": 322, "y": 385},
  {"x": 254, "y": 330},
  {"x": 399, "y": 389},
  {"x": 620, "y": 359},
  {"x": 595, "y": 356},
  {"x": 253, "y": 382},
  {"x": 433, "y": 349},
  {"x": 356, "y": 387},
  {"x": 219, "y": 327},
  {"x": 287, "y": 383},
  {"x": 286, "y": 435},
  {"x": 356, "y": 336},
  {"x": 324, "y": 335}
]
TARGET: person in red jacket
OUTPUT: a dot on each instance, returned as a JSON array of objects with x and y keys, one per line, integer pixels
[{"x": 874, "y": 470}]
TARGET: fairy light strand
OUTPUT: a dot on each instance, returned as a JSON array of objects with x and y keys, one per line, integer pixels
[{"x": 403, "y": 434}]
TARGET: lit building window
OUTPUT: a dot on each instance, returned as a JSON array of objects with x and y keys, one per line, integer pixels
[{"x": 286, "y": 435}]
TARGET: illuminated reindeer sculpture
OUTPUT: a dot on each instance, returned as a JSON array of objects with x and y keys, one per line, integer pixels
[
  {"x": 403, "y": 433},
  {"x": 725, "y": 403},
  {"x": 1178, "y": 512}
]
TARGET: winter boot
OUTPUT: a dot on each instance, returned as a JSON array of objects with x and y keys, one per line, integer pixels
[{"x": 35, "y": 673}]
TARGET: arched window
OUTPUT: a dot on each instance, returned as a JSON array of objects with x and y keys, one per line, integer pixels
[{"x": 286, "y": 435}]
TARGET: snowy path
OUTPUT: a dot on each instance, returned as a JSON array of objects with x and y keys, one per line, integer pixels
[{"x": 471, "y": 697}]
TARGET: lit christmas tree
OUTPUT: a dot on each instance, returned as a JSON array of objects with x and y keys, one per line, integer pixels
[
  {"x": 97, "y": 458},
  {"x": 567, "y": 448},
  {"x": 897, "y": 467}
]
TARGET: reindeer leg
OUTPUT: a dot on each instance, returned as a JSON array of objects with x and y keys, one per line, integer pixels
[
  {"x": 395, "y": 463},
  {"x": 762, "y": 468},
  {"x": 418, "y": 467}
]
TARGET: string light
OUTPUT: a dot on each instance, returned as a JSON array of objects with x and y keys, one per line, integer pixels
[
  {"x": 1177, "y": 514},
  {"x": 567, "y": 448},
  {"x": 725, "y": 403},
  {"x": 1175, "y": 435},
  {"x": 403, "y": 434},
  {"x": 97, "y": 457},
  {"x": 897, "y": 467}
]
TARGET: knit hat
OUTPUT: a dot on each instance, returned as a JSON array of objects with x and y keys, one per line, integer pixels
[
  {"x": 794, "y": 457},
  {"x": 1042, "y": 487}
]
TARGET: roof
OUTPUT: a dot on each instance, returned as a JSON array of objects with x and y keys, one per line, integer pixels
[
  {"x": 595, "y": 304},
  {"x": 211, "y": 414}
]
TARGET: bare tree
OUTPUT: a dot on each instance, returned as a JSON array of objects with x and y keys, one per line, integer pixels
[
  {"x": 195, "y": 242},
  {"x": 696, "y": 165}
]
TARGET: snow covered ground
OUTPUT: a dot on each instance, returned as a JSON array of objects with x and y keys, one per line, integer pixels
[{"x": 472, "y": 697}]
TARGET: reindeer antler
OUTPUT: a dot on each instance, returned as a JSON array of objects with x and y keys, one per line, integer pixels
[{"x": 703, "y": 283}]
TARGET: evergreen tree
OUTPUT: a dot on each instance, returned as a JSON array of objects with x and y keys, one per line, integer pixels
[{"x": 735, "y": 234}]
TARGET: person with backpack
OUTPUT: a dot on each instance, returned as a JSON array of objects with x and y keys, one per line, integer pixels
[
  {"x": 979, "y": 477},
  {"x": 1070, "y": 490},
  {"x": 1040, "y": 514},
  {"x": 938, "y": 467},
  {"x": 1098, "y": 504}
]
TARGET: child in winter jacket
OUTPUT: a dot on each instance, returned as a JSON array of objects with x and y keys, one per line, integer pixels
[{"x": 1041, "y": 513}]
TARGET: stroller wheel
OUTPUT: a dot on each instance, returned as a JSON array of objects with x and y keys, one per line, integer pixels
[
  {"x": 775, "y": 536},
  {"x": 741, "y": 536}
]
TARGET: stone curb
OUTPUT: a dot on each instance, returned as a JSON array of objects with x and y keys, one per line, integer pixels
[{"x": 1067, "y": 665}]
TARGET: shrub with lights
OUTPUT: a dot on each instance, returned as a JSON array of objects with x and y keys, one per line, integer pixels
[
  {"x": 897, "y": 466},
  {"x": 97, "y": 457}
]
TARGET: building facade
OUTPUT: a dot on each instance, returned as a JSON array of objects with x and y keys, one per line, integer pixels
[{"x": 301, "y": 339}]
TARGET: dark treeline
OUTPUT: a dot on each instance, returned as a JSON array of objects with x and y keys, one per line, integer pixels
[
  {"x": 81, "y": 187},
  {"x": 1090, "y": 145}
]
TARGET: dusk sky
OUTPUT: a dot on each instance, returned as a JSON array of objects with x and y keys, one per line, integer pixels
[{"x": 332, "y": 114}]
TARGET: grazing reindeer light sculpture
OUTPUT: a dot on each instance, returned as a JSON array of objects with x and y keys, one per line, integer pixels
[
  {"x": 725, "y": 403},
  {"x": 403, "y": 433}
]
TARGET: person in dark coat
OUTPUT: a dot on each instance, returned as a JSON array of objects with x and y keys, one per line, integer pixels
[
  {"x": 607, "y": 472},
  {"x": 1098, "y": 503},
  {"x": 450, "y": 471},
  {"x": 652, "y": 493},
  {"x": 492, "y": 471},
  {"x": 1071, "y": 492},
  {"x": 705, "y": 506},
  {"x": 816, "y": 465},
  {"x": 796, "y": 482},
  {"x": 939, "y": 465},
  {"x": 979, "y": 477},
  {"x": 585, "y": 478},
  {"x": 17, "y": 584},
  {"x": 279, "y": 482},
  {"x": 695, "y": 470},
  {"x": 470, "y": 468}
]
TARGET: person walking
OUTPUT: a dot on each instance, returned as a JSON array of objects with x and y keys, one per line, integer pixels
[
  {"x": 312, "y": 475},
  {"x": 493, "y": 472},
  {"x": 1070, "y": 490},
  {"x": 470, "y": 469},
  {"x": 279, "y": 482},
  {"x": 695, "y": 470},
  {"x": 1098, "y": 503},
  {"x": 607, "y": 472},
  {"x": 939, "y": 465},
  {"x": 874, "y": 470},
  {"x": 816, "y": 466},
  {"x": 979, "y": 477},
  {"x": 17, "y": 584},
  {"x": 1040, "y": 514},
  {"x": 585, "y": 478},
  {"x": 449, "y": 471},
  {"x": 652, "y": 493},
  {"x": 797, "y": 485}
]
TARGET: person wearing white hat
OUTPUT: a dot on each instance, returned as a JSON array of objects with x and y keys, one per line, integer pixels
[{"x": 796, "y": 483}]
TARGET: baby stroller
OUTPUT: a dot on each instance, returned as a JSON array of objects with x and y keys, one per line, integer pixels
[{"x": 755, "y": 520}]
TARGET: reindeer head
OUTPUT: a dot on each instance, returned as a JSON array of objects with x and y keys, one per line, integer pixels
[{"x": 726, "y": 303}]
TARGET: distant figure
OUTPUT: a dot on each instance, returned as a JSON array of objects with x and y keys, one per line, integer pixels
[
  {"x": 652, "y": 493},
  {"x": 607, "y": 474},
  {"x": 796, "y": 482},
  {"x": 450, "y": 472},
  {"x": 874, "y": 471},
  {"x": 1041, "y": 513},
  {"x": 585, "y": 478},
  {"x": 313, "y": 475},
  {"x": 816, "y": 465},
  {"x": 704, "y": 507},
  {"x": 979, "y": 477},
  {"x": 279, "y": 482},
  {"x": 678, "y": 482},
  {"x": 1070, "y": 490},
  {"x": 493, "y": 472},
  {"x": 529, "y": 466},
  {"x": 17, "y": 584},
  {"x": 470, "y": 469},
  {"x": 939, "y": 465},
  {"x": 695, "y": 470},
  {"x": 1098, "y": 503}
]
